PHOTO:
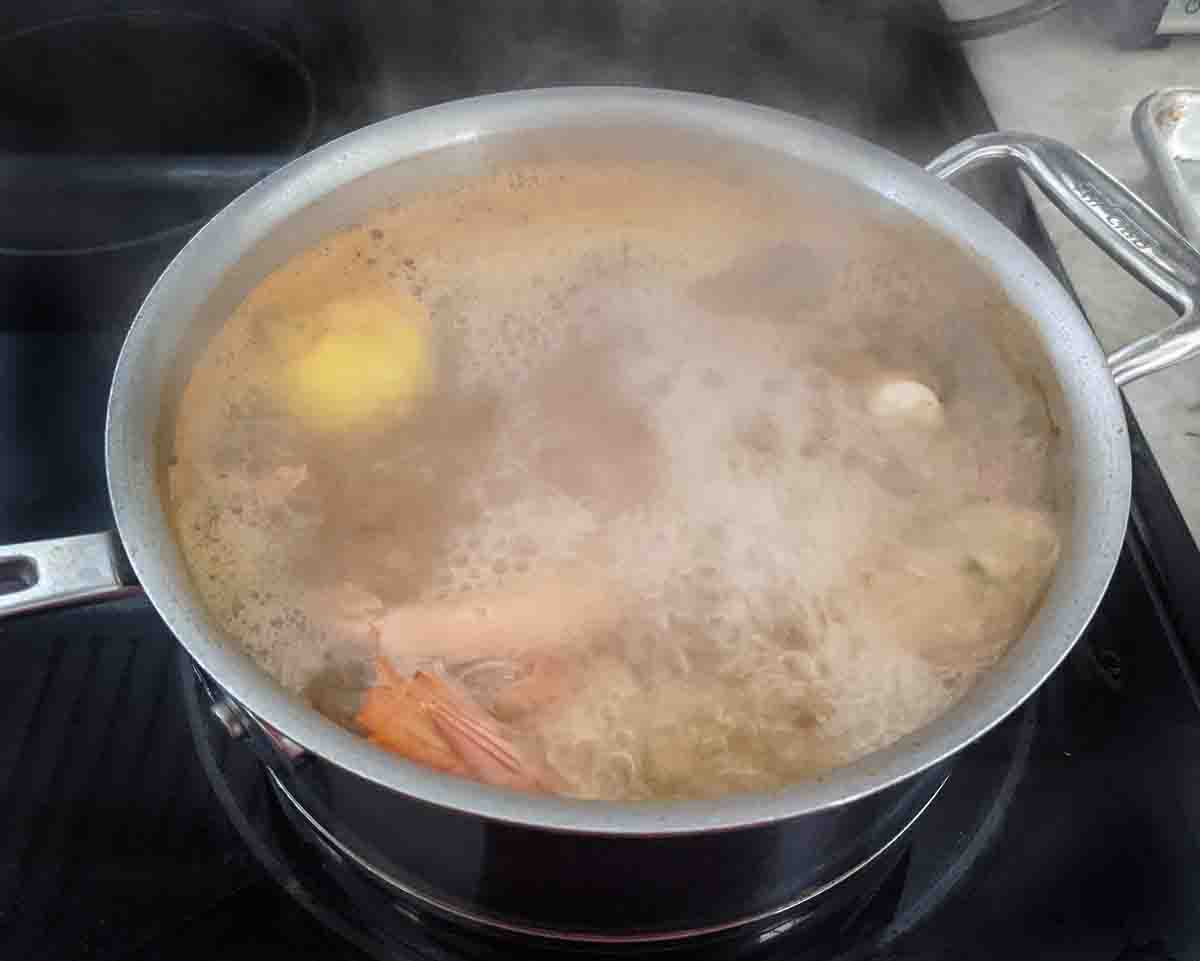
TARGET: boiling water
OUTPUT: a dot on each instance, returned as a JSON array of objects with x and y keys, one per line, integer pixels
[{"x": 755, "y": 479}]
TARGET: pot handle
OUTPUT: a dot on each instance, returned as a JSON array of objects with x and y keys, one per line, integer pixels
[
  {"x": 63, "y": 571},
  {"x": 1119, "y": 221}
]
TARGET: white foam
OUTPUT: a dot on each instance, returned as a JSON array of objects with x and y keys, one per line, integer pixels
[{"x": 728, "y": 487}]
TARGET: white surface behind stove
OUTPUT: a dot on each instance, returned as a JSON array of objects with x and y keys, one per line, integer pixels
[{"x": 1063, "y": 78}]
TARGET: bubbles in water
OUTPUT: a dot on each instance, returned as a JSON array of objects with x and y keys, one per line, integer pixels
[{"x": 689, "y": 459}]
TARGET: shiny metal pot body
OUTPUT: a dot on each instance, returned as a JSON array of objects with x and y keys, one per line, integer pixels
[
  {"x": 564, "y": 867},
  {"x": 587, "y": 887}
]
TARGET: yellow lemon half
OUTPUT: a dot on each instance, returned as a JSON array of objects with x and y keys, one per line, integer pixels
[{"x": 373, "y": 357}]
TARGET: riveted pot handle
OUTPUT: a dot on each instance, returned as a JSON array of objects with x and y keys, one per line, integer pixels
[
  {"x": 269, "y": 744},
  {"x": 67, "y": 570},
  {"x": 1115, "y": 218}
]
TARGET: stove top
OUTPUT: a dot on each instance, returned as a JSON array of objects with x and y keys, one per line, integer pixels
[{"x": 1071, "y": 831}]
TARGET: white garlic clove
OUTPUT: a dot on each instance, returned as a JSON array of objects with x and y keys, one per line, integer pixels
[{"x": 907, "y": 402}]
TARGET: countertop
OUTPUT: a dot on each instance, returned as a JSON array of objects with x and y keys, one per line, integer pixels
[{"x": 1064, "y": 78}]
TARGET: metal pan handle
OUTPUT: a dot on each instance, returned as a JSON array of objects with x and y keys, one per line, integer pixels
[
  {"x": 1124, "y": 227},
  {"x": 63, "y": 571}
]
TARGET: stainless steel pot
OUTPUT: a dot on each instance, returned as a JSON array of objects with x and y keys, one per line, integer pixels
[{"x": 604, "y": 870}]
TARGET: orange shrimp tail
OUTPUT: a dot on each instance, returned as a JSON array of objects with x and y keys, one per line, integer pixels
[
  {"x": 394, "y": 719},
  {"x": 428, "y": 720}
]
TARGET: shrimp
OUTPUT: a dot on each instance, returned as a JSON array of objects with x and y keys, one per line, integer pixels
[
  {"x": 523, "y": 638},
  {"x": 429, "y": 720},
  {"x": 392, "y": 716},
  {"x": 558, "y": 612}
]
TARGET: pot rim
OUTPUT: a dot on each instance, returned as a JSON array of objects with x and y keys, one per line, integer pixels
[{"x": 1101, "y": 457}]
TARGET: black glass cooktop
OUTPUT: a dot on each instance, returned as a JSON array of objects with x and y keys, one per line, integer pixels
[{"x": 1070, "y": 832}]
